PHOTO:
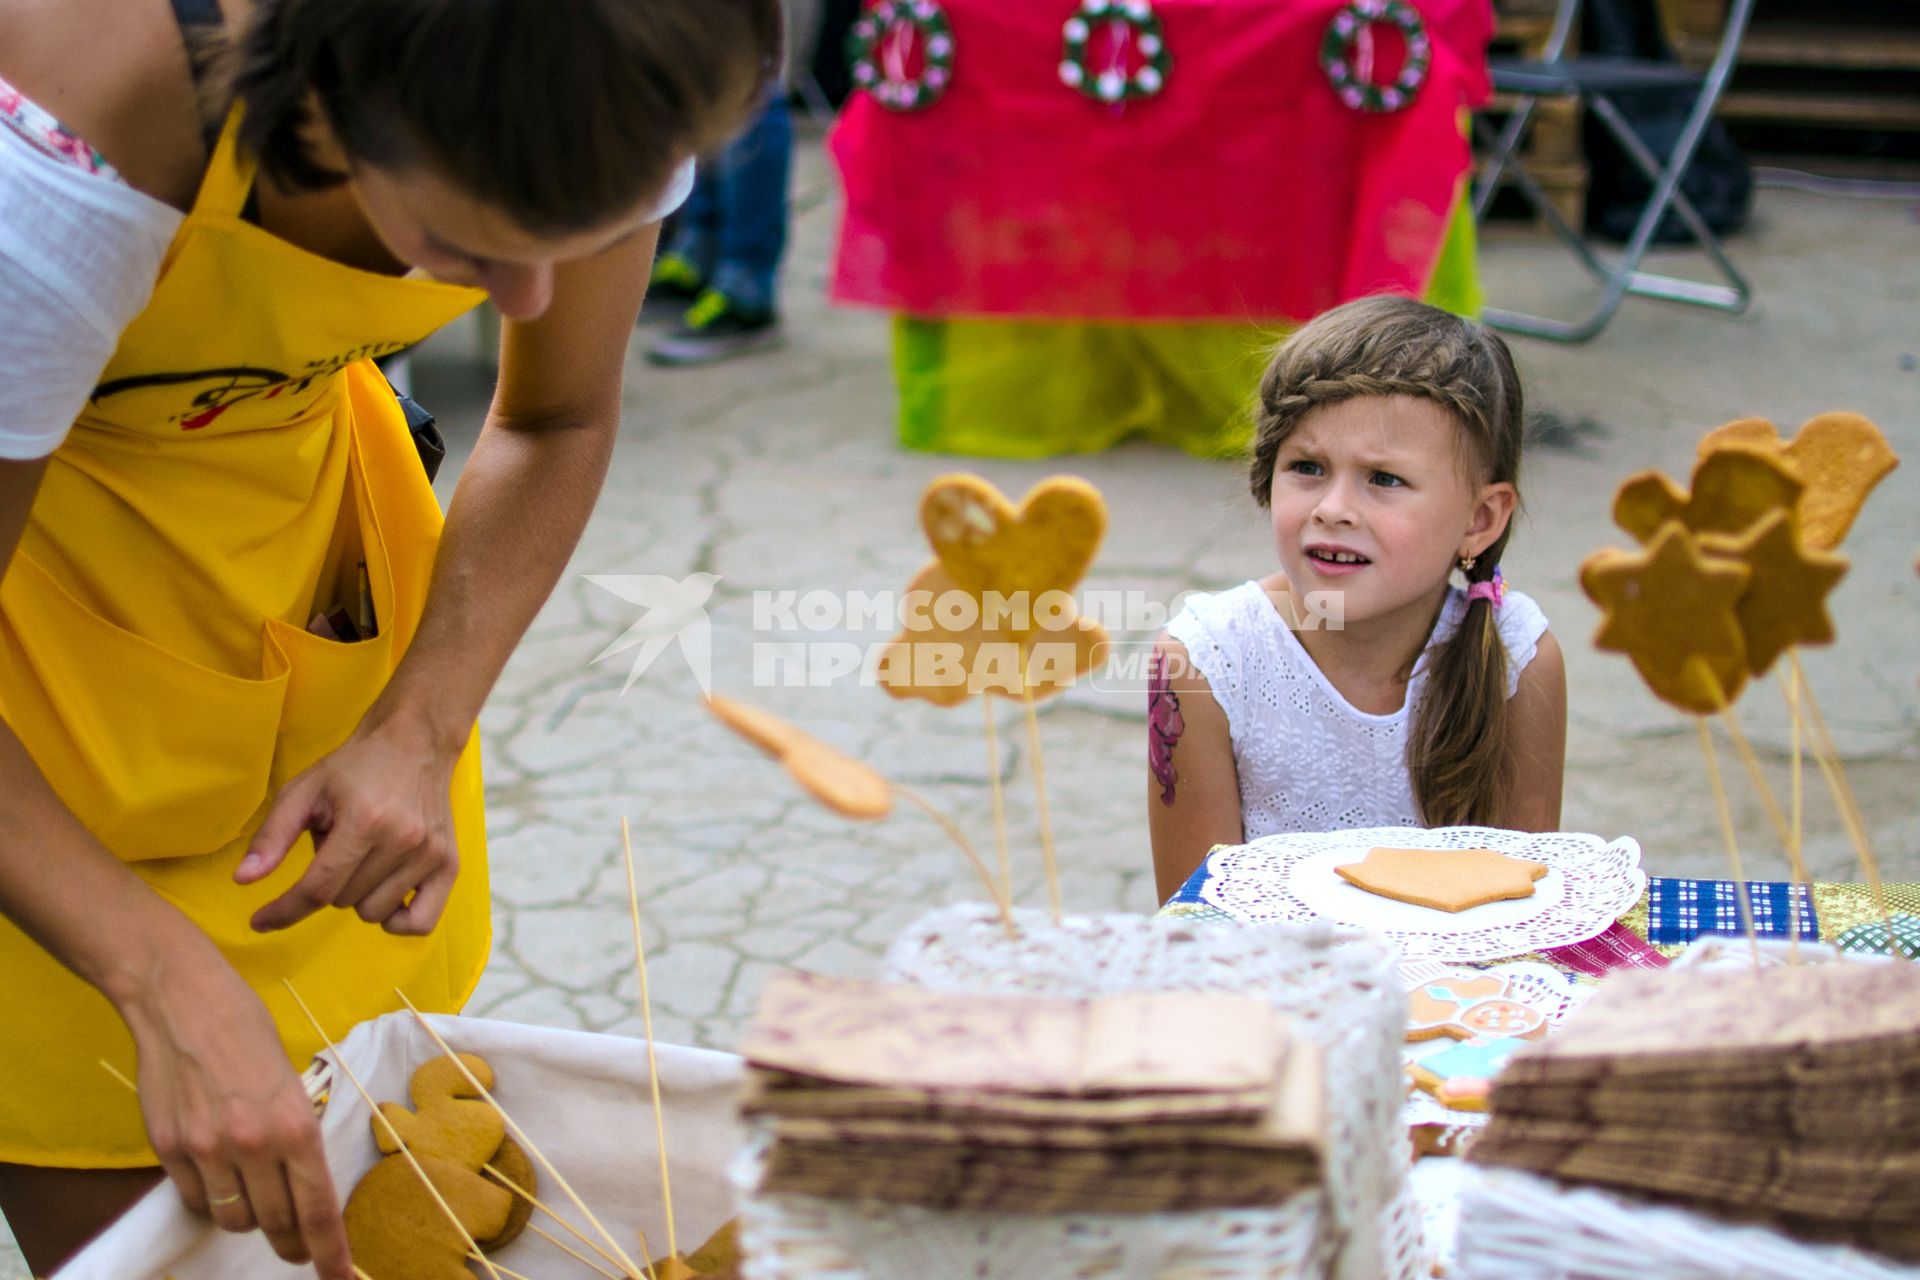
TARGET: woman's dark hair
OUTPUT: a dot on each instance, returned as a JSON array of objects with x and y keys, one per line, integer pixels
[
  {"x": 1389, "y": 346},
  {"x": 563, "y": 114}
]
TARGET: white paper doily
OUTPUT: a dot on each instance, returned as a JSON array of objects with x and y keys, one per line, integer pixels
[{"x": 1282, "y": 878}]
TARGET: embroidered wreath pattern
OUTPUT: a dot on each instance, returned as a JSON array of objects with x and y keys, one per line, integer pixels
[
  {"x": 1345, "y": 33},
  {"x": 877, "y": 48},
  {"x": 1115, "y": 83}
]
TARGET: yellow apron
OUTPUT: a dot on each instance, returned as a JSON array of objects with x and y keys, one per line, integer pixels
[{"x": 240, "y": 459}]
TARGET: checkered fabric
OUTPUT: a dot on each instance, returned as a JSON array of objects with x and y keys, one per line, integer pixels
[
  {"x": 1678, "y": 910},
  {"x": 1872, "y": 937}
]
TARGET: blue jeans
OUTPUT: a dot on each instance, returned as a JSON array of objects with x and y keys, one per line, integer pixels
[{"x": 734, "y": 224}]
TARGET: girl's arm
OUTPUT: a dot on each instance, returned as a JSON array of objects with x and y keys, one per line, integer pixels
[
  {"x": 1537, "y": 740},
  {"x": 1193, "y": 788},
  {"x": 517, "y": 514}
]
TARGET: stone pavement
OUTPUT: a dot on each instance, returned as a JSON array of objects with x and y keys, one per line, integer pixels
[{"x": 780, "y": 474}]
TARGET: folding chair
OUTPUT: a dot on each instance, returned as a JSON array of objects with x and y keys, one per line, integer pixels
[{"x": 1592, "y": 78}]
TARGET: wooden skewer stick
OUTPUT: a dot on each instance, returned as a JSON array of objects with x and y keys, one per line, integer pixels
[
  {"x": 508, "y": 1272},
  {"x": 520, "y": 1135},
  {"x": 358, "y": 1274},
  {"x": 393, "y": 1133},
  {"x": 1040, "y": 796},
  {"x": 999, "y": 803},
  {"x": 1790, "y": 683},
  {"x": 1827, "y": 756},
  {"x": 1740, "y": 893},
  {"x": 114, "y": 1071},
  {"x": 954, "y": 834},
  {"x": 646, "y": 1022},
  {"x": 570, "y": 1251},
  {"x": 1780, "y": 825},
  {"x": 572, "y": 1230}
]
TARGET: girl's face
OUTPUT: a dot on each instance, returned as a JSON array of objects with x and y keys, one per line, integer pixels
[{"x": 1373, "y": 498}]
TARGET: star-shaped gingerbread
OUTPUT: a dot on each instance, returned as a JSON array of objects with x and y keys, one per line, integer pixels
[
  {"x": 1671, "y": 608},
  {"x": 1785, "y": 603},
  {"x": 1444, "y": 879}
]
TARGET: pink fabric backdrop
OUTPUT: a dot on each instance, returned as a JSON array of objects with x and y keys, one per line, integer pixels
[{"x": 1245, "y": 190}]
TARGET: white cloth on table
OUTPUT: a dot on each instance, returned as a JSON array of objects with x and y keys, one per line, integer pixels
[
  {"x": 1308, "y": 759},
  {"x": 582, "y": 1098}
]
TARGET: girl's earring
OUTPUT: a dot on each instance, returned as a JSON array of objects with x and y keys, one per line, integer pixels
[{"x": 1466, "y": 563}]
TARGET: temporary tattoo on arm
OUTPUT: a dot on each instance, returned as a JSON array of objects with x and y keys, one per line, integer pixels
[{"x": 1164, "y": 725}]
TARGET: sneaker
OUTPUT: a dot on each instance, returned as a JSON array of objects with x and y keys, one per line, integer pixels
[
  {"x": 715, "y": 328},
  {"x": 671, "y": 289}
]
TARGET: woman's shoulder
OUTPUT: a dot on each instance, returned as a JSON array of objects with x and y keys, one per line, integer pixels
[{"x": 115, "y": 74}]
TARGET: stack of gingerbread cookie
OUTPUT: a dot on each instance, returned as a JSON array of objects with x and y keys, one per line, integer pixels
[
  {"x": 1130, "y": 1103},
  {"x": 1788, "y": 1095}
]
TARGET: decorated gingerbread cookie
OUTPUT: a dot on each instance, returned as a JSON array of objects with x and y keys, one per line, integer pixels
[
  {"x": 1461, "y": 1076},
  {"x": 1464, "y": 1004}
]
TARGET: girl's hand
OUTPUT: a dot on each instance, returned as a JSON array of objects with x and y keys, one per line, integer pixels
[
  {"x": 232, "y": 1125},
  {"x": 382, "y": 825}
]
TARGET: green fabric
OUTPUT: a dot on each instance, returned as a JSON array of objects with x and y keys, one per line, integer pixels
[{"x": 1038, "y": 389}]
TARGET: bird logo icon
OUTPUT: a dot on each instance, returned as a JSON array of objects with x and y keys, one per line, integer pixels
[{"x": 674, "y": 610}]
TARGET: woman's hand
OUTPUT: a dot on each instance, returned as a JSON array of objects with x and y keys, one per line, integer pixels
[
  {"x": 232, "y": 1125},
  {"x": 382, "y": 825}
]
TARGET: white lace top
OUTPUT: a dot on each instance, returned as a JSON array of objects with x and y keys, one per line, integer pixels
[{"x": 1308, "y": 759}]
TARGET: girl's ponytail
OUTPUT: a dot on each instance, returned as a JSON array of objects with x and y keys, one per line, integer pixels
[{"x": 1457, "y": 751}]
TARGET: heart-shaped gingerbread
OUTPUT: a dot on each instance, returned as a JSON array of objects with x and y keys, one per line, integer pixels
[
  {"x": 988, "y": 545},
  {"x": 1837, "y": 457}
]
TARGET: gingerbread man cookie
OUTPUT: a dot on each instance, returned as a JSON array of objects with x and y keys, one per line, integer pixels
[
  {"x": 395, "y": 1227},
  {"x": 1464, "y": 1003}
]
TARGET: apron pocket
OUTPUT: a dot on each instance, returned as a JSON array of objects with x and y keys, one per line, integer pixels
[
  {"x": 330, "y": 685},
  {"x": 157, "y": 756}
]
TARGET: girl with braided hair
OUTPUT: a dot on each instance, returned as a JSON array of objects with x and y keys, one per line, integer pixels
[{"x": 1358, "y": 686}]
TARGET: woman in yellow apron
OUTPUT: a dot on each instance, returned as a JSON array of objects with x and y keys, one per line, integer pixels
[{"x": 192, "y": 767}]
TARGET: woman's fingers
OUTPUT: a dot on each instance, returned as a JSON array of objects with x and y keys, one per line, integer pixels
[
  {"x": 337, "y": 858},
  {"x": 272, "y": 1206},
  {"x": 293, "y": 812},
  {"x": 316, "y": 1207},
  {"x": 419, "y": 916}
]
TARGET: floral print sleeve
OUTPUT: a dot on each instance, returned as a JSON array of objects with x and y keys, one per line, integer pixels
[
  {"x": 48, "y": 136},
  {"x": 1164, "y": 725}
]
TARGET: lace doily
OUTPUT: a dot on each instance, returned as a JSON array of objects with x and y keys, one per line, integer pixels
[
  {"x": 1288, "y": 878},
  {"x": 1338, "y": 987},
  {"x": 1514, "y": 1226}
]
